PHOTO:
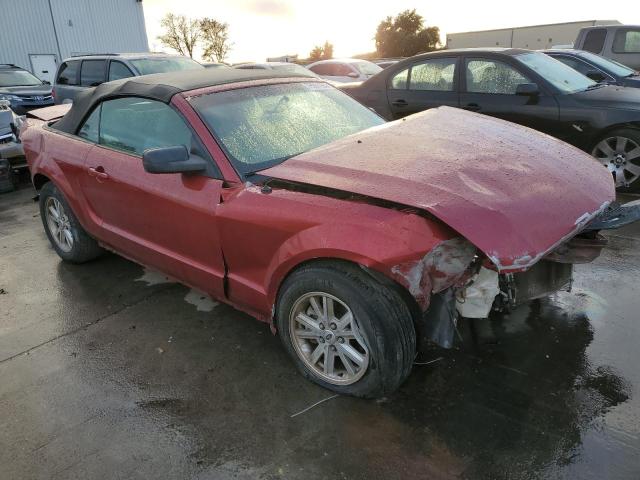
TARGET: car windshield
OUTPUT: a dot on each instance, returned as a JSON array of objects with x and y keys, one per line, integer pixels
[
  {"x": 367, "y": 68},
  {"x": 608, "y": 65},
  {"x": 18, "y": 78},
  {"x": 147, "y": 66},
  {"x": 564, "y": 78},
  {"x": 260, "y": 127}
]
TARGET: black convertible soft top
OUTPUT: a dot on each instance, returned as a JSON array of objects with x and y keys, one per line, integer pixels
[{"x": 161, "y": 87}]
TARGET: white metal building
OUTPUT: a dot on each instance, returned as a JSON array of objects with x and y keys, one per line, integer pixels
[
  {"x": 534, "y": 37},
  {"x": 39, "y": 34}
]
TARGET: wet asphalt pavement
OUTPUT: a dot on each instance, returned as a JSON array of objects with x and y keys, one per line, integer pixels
[{"x": 109, "y": 371}]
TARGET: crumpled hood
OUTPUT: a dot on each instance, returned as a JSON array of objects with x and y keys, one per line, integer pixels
[{"x": 513, "y": 192}]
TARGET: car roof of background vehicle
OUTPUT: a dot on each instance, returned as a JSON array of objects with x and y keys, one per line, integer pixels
[
  {"x": 339, "y": 60},
  {"x": 162, "y": 87},
  {"x": 123, "y": 56},
  {"x": 570, "y": 51}
]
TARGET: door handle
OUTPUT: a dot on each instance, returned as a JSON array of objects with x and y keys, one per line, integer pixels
[
  {"x": 399, "y": 103},
  {"x": 98, "y": 172},
  {"x": 472, "y": 107}
]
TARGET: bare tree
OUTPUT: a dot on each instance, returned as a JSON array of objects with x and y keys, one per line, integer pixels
[
  {"x": 181, "y": 34},
  {"x": 216, "y": 39}
]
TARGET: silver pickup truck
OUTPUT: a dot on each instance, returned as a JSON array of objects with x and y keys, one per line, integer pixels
[{"x": 617, "y": 42}]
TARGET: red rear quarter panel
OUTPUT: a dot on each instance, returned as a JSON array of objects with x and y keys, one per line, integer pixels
[{"x": 60, "y": 158}]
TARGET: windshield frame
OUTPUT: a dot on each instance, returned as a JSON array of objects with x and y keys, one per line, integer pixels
[
  {"x": 237, "y": 165},
  {"x": 587, "y": 83},
  {"x": 23, "y": 72}
]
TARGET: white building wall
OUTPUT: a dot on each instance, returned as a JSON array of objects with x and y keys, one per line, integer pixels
[
  {"x": 534, "y": 37},
  {"x": 81, "y": 26},
  {"x": 26, "y": 28}
]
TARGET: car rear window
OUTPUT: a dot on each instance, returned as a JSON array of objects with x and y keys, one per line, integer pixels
[{"x": 68, "y": 74}]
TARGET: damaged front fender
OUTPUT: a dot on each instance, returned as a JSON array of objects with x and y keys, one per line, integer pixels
[{"x": 446, "y": 265}]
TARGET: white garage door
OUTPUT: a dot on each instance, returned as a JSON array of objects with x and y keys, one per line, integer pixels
[{"x": 43, "y": 66}]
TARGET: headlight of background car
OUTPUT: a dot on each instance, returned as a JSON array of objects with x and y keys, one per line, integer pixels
[{"x": 12, "y": 98}]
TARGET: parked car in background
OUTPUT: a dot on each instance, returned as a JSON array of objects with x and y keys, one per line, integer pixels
[
  {"x": 23, "y": 90},
  {"x": 76, "y": 74},
  {"x": 617, "y": 42},
  {"x": 215, "y": 65},
  {"x": 597, "y": 68},
  {"x": 345, "y": 71},
  {"x": 386, "y": 62},
  {"x": 281, "y": 67},
  {"x": 522, "y": 86}
]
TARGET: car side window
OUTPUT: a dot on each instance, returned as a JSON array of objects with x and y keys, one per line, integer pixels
[
  {"x": 399, "y": 80},
  {"x": 594, "y": 40},
  {"x": 342, "y": 69},
  {"x": 435, "y": 75},
  {"x": 135, "y": 124},
  {"x": 92, "y": 72},
  {"x": 90, "y": 129},
  {"x": 68, "y": 74},
  {"x": 492, "y": 76},
  {"x": 118, "y": 70},
  {"x": 627, "y": 41}
]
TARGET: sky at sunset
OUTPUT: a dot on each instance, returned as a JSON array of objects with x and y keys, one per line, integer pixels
[{"x": 265, "y": 28}]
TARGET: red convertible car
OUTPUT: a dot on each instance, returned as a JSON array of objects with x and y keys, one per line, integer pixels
[{"x": 285, "y": 198}]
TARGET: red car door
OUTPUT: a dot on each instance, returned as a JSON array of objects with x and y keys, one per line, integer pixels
[{"x": 167, "y": 221}]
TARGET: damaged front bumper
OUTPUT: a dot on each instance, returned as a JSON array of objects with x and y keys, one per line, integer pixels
[{"x": 487, "y": 289}]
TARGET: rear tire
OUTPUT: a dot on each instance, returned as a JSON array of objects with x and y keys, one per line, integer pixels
[
  {"x": 619, "y": 151},
  {"x": 70, "y": 241},
  {"x": 364, "y": 331}
]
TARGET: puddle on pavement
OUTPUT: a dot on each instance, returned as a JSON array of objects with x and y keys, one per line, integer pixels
[{"x": 202, "y": 301}]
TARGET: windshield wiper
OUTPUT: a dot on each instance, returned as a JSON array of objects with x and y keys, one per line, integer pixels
[{"x": 596, "y": 85}]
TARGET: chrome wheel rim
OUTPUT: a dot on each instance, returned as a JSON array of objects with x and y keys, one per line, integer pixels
[
  {"x": 621, "y": 156},
  {"x": 59, "y": 224},
  {"x": 327, "y": 338}
]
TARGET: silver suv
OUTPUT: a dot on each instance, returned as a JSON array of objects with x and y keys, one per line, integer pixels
[{"x": 78, "y": 73}]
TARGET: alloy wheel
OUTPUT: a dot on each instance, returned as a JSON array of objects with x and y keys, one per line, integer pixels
[
  {"x": 59, "y": 224},
  {"x": 327, "y": 338},
  {"x": 621, "y": 156}
]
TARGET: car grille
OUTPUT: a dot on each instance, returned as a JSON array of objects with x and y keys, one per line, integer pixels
[{"x": 36, "y": 98}]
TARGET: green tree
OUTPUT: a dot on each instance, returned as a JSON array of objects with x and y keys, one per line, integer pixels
[
  {"x": 405, "y": 35},
  {"x": 316, "y": 53},
  {"x": 322, "y": 52},
  {"x": 181, "y": 34},
  {"x": 327, "y": 51},
  {"x": 215, "y": 36}
]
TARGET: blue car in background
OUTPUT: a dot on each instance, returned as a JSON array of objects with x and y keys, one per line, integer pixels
[{"x": 22, "y": 89}]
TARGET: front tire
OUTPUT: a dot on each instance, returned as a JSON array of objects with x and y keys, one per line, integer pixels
[
  {"x": 70, "y": 241},
  {"x": 346, "y": 331},
  {"x": 619, "y": 151}
]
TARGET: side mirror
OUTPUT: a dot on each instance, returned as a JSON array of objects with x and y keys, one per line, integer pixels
[
  {"x": 595, "y": 75},
  {"x": 353, "y": 75},
  {"x": 528, "y": 90},
  {"x": 172, "y": 160}
]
